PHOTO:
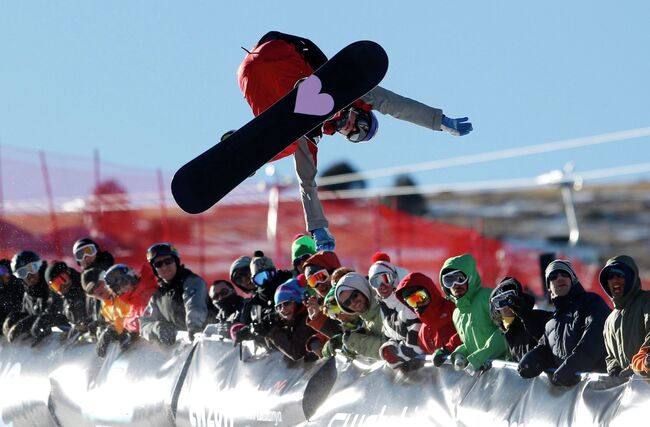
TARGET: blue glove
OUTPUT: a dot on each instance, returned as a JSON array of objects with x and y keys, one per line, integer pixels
[
  {"x": 456, "y": 127},
  {"x": 324, "y": 239}
]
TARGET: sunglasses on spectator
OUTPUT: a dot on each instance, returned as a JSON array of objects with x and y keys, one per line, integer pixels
[
  {"x": 163, "y": 262},
  {"x": 320, "y": 276},
  {"x": 346, "y": 304},
  {"x": 454, "y": 278},
  {"x": 84, "y": 251},
  {"x": 559, "y": 273},
  {"x": 59, "y": 281},
  {"x": 379, "y": 279},
  {"x": 262, "y": 277},
  {"x": 26, "y": 270},
  {"x": 282, "y": 305},
  {"x": 417, "y": 299}
]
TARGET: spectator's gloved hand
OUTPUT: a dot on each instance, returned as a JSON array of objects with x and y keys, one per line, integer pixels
[
  {"x": 529, "y": 369},
  {"x": 439, "y": 357},
  {"x": 241, "y": 334},
  {"x": 474, "y": 369},
  {"x": 191, "y": 332},
  {"x": 614, "y": 371},
  {"x": 333, "y": 344},
  {"x": 389, "y": 353},
  {"x": 324, "y": 239},
  {"x": 459, "y": 361},
  {"x": 456, "y": 127},
  {"x": 164, "y": 332},
  {"x": 411, "y": 365},
  {"x": 21, "y": 327},
  {"x": 518, "y": 306},
  {"x": 107, "y": 336},
  {"x": 41, "y": 328},
  {"x": 95, "y": 326},
  {"x": 565, "y": 376}
]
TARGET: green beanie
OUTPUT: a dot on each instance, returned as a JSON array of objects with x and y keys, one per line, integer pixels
[{"x": 301, "y": 246}]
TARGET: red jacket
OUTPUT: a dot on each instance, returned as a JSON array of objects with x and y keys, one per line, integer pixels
[
  {"x": 268, "y": 73},
  {"x": 139, "y": 297},
  {"x": 437, "y": 326}
]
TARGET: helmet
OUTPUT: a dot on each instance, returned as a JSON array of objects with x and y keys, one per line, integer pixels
[
  {"x": 119, "y": 276},
  {"x": 160, "y": 249},
  {"x": 84, "y": 247},
  {"x": 25, "y": 263},
  {"x": 364, "y": 124}
]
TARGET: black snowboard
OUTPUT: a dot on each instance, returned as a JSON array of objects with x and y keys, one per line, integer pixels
[{"x": 346, "y": 77}]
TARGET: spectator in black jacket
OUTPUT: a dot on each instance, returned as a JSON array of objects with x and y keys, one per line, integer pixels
[
  {"x": 41, "y": 308},
  {"x": 512, "y": 311},
  {"x": 573, "y": 337},
  {"x": 229, "y": 305},
  {"x": 12, "y": 290},
  {"x": 66, "y": 282},
  {"x": 181, "y": 302}
]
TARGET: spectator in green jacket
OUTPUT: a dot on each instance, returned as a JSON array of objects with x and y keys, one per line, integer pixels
[
  {"x": 627, "y": 328},
  {"x": 354, "y": 296},
  {"x": 482, "y": 339}
]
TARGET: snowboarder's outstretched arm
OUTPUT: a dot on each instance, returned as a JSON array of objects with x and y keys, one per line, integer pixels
[{"x": 407, "y": 109}]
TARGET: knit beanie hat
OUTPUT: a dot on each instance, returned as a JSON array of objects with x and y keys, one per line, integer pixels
[
  {"x": 54, "y": 269},
  {"x": 260, "y": 263},
  {"x": 241, "y": 262},
  {"x": 288, "y": 291},
  {"x": 351, "y": 282},
  {"x": 560, "y": 265},
  {"x": 302, "y": 245},
  {"x": 326, "y": 259}
]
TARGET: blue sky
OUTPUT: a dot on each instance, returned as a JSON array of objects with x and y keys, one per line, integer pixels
[{"x": 152, "y": 84}]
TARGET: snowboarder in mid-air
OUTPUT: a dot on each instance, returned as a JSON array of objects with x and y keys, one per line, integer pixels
[{"x": 273, "y": 68}]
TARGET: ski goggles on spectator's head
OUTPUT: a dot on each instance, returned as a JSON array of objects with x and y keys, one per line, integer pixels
[
  {"x": 503, "y": 300},
  {"x": 384, "y": 278},
  {"x": 615, "y": 273},
  {"x": 262, "y": 277},
  {"x": 282, "y": 305},
  {"x": 57, "y": 283},
  {"x": 84, "y": 251},
  {"x": 417, "y": 299},
  {"x": 26, "y": 270},
  {"x": 321, "y": 276},
  {"x": 454, "y": 278}
]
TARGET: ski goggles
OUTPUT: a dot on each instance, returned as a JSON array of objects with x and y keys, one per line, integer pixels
[
  {"x": 503, "y": 300},
  {"x": 380, "y": 279},
  {"x": 282, "y": 305},
  {"x": 321, "y": 276},
  {"x": 262, "y": 277},
  {"x": 26, "y": 270},
  {"x": 84, "y": 251},
  {"x": 57, "y": 283},
  {"x": 454, "y": 278},
  {"x": 417, "y": 299}
]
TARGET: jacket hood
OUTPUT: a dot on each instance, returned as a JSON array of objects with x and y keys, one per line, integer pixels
[
  {"x": 419, "y": 280},
  {"x": 326, "y": 259},
  {"x": 467, "y": 264},
  {"x": 632, "y": 281},
  {"x": 354, "y": 281}
]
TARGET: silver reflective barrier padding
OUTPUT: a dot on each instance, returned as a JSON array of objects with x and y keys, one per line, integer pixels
[{"x": 211, "y": 382}]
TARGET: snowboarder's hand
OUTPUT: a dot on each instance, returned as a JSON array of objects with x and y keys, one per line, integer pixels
[
  {"x": 456, "y": 127},
  {"x": 324, "y": 239}
]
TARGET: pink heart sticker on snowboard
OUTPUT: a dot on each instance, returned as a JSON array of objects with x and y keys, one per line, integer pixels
[{"x": 310, "y": 101}]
